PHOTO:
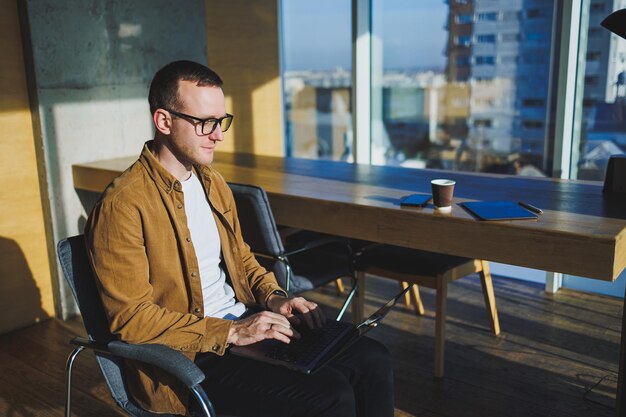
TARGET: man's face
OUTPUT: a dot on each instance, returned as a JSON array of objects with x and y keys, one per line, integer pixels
[{"x": 201, "y": 102}]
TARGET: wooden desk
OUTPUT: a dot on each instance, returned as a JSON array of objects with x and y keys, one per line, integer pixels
[{"x": 581, "y": 231}]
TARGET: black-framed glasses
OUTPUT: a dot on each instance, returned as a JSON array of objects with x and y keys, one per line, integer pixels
[{"x": 207, "y": 125}]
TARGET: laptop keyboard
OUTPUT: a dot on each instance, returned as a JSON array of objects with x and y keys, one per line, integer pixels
[{"x": 312, "y": 343}]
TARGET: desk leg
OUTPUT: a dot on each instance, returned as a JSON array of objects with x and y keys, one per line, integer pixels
[{"x": 620, "y": 398}]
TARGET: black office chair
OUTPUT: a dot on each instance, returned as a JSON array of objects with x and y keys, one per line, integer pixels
[
  {"x": 307, "y": 263},
  {"x": 111, "y": 352}
]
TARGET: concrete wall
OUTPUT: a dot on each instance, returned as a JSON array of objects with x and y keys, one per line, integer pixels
[{"x": 93, "y": 62}]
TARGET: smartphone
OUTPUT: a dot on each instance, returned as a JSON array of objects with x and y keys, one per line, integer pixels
[{"x": 415, "y": 200}]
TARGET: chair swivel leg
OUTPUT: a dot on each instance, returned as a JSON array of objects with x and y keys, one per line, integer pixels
[
  {"x": 440, "y": 325},
  {"x": 490, "y": 298}
]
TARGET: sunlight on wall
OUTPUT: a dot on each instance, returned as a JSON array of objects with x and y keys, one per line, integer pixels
[
  {"x": 228, "y": 145},
  {"x": 242, "y": 47},
  {"x": 267, "y": 120},
  {"x": 25, "y": 283}
]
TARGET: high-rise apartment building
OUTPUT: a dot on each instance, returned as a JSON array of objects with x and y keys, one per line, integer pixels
[
  {"x": 503, "y": 48},
  {"x": 509, "y": 66}
]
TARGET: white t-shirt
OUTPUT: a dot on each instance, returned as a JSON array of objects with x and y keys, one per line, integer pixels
[{"x": 218, "y": 295}]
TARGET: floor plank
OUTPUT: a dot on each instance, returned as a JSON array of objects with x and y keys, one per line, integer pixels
[
  {"x": 557, "y": 356},
  {"x": 552, "y": 350}
]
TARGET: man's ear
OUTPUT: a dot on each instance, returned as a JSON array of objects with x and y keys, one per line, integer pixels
[{"x": 162, "y": 121}]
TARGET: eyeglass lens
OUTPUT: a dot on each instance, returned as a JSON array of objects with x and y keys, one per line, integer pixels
[{"x": 210, "y": 125}]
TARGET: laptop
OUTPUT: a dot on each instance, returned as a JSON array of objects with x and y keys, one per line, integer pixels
[{"x": 316, "y": 347}]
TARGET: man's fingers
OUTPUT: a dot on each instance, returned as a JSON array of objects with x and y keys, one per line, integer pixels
[
  {"x": 306, "y": 314},
  {"x": 282, "y": 333},
  {"x": 269, "y": 318},
  {"x": 287, "y": 330},
  {"x": 282, "y": 328},
  {"x": 275, "y": 334},
  {"x": 312, "y": 314},
  {"x": 318, "y": 315}
]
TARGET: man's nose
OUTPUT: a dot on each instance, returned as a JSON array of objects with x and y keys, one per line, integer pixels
[{"x": 217, "y": 134}]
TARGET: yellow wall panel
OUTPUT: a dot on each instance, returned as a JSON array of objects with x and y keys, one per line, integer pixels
[
  {"x": 25, "y": 282},
  {"x": 243, "y": 49}
]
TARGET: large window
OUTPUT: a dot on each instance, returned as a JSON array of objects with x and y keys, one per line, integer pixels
[
  {"x": 317, "y": 79},
  {"x": 461, "y": 85},
  {"x": 600, "y": 125},
  {"x": 602, "y": 130}
]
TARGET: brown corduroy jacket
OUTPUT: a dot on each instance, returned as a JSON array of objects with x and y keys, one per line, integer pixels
[{"x": 147, "y": 272}]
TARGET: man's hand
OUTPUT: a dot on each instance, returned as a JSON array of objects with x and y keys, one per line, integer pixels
[
  {"x": 290, "y": 307},
  {"x": 259, "y": 326}
]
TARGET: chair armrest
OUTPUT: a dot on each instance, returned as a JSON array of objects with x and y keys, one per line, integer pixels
[
  {"x": 90, "y": 344},
  {"x": 162, "y": 356}
]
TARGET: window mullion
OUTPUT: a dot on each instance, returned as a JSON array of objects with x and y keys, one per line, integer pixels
[{"x": 361, "y": 80}]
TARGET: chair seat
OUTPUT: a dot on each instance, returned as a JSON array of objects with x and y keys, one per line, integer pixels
[
  {"x": 407, "y": 261},
  {"x": 316, "y": 267}
]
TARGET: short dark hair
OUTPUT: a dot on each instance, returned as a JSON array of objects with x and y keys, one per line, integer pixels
[{"x": 164, "y": 85}]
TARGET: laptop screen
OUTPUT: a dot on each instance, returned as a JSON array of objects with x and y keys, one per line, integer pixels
[{"x": 373, "y": 320}]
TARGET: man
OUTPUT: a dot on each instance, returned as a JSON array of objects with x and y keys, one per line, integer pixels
[{"x": 172, "y": 268}]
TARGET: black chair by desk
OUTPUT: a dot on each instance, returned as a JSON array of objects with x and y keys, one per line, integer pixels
[
  {"x": 310, "y": 262},
  {"x": 110, "y": 352}
]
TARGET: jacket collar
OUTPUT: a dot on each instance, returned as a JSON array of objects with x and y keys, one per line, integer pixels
[{"x": 161, "y": 176}]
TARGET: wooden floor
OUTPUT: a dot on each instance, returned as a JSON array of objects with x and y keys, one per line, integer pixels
[{"x": 556, "y": 356}]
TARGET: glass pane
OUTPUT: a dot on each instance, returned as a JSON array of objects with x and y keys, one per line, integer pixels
[
  {"x": 603, "y": 131},
  {"x": 316, "y": 60},
  {"x": 462, "y": 85}
]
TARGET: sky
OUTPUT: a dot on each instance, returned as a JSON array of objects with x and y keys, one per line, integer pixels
[{"x": 317, "y": 34}]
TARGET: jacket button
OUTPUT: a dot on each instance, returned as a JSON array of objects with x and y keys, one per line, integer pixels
[
  {"x": 216, "y": 347},
  {"x": 193, "y": 274},
  {"x": 179, "y": 206},
  {"x": 188, "y": 239},
  {"x": 196, "y": 310}
]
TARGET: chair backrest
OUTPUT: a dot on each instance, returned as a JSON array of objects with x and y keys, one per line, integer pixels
[
  {"x": 72, "y": 253},
  {"x": 259, "y": 228}
]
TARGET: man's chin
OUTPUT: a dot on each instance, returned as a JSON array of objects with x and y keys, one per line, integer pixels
[{"x": 205, "y": 159}]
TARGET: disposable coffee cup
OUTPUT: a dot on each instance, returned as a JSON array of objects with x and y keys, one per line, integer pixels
[{"x": 443, "y": 189}]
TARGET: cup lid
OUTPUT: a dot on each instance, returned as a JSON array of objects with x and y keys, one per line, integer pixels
[{"x": 443, "y": 181}]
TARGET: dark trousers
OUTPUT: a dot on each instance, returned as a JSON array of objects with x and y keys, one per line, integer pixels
[{"x": 359, "y": 382}]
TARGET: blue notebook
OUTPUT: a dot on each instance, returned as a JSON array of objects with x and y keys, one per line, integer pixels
[{"x": 498, "y": 210}]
